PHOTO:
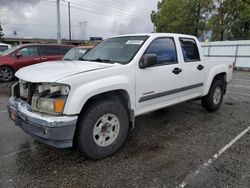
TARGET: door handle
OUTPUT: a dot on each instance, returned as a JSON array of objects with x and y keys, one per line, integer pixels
[
  {"x": 176, "y": 70},
  {"x": 37, "y": 59},
  {"x": 200, "y": 67},
  {"x": 44, "y": 58}
]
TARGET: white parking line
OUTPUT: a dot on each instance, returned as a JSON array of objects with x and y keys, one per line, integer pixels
[
  {"x": 3, "y": 111},
  {"x": 234, "y": 98},
  {"x": 203, "y": 167},
  {"x": 244, "y": 94},
  {"x": 244, "y": 80}
]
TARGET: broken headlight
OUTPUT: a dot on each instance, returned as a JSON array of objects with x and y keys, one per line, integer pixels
[{"x": 50, "y": 98}]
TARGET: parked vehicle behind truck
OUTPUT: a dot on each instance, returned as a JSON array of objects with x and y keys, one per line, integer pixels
[
  {"x": 4, "y": 47},
  {"x": 76, "y": 53},
  {"x": 92, "y": 105},
  {"x": 21, "y": 56}
]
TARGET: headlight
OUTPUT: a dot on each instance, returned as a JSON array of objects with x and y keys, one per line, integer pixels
[
  {"x": 50, "y": 98},
  {"x": 48, "y": 105}
]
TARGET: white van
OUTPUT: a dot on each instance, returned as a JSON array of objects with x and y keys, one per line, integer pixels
[{"x": 4, "y": 46}]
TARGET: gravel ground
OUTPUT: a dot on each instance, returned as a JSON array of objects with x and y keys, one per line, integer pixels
[{"x": 165, "y": 149}]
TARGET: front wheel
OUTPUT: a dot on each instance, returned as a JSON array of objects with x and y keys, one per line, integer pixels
[
  {"x": 102, "y": 129},
  {"x": 212, "y": 101}
]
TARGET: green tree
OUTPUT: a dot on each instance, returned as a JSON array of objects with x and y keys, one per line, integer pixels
[
  {"x": 1, "y": 33},
  {"x": 228, "y": 19},
  {"x": 241, "y": 26},
  {"x": 181, "y": 16},
  {"x": 222, "y": 17}
]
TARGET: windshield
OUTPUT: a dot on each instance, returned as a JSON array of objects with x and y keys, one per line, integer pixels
[
  {"x": 75, "y": 54},
  {"x": 6, "y": 52},
  {"x": 116, "y": 50}
]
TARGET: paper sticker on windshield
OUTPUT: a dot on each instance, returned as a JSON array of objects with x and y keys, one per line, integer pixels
[
  {"x": 82, "y": 51},
  {"x": 134, "y": 42}
]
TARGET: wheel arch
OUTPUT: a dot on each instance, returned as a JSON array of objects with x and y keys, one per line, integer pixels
[
  {"x": 120, "y": 95},
  {"x": 216, "y": 76},
  {"x": 5, "y": 65}
]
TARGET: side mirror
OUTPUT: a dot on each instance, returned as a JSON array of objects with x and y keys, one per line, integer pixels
[
  {"x": 148, "y": 60},
  {"x": 18, "y": 55}
]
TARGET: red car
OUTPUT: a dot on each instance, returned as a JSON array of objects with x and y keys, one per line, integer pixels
[{"x": 20, "y": 56}]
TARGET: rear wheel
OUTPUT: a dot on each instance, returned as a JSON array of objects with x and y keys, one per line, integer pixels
[
  {"x": 102, "y": 129},
  {"x": 6, "y": 74},
  {"x": 212, "y": 101}
]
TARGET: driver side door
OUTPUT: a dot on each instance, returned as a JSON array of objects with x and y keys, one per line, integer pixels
[{"x": 159, "y": 86}]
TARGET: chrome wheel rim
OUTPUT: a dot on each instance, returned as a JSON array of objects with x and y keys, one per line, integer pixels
[
  {"x": 5, "y": 74},
  {"x": 106, "y": 130},
  {"x": 217, "y": 95}
]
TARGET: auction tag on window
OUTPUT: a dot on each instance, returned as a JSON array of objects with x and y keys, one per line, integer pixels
[
  {"x": 82, "y": 51},
  {"x": 134, "y": 42}
]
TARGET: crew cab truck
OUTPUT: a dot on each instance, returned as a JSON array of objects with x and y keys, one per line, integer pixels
[{"x": 92, "y": 103}]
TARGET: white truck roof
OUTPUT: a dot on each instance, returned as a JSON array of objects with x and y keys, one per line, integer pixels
[{"x": 157, "y": 34}]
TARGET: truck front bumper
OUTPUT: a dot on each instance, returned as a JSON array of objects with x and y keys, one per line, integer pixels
[{"x": 57, "y": 131}]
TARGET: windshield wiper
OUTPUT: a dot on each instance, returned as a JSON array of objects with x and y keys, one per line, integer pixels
[
  {"x": 68, "y": 59},
  {"x": 99, "y": 60}
]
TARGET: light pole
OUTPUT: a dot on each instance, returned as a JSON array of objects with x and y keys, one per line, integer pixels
[
  {"x": 69, "y": 22},
  {"x": 59, "y": 39}
]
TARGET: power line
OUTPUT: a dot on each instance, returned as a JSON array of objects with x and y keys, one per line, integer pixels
[
  {"x": 111, "y": 16},
  {"x": 118, "y": 3},
  {"x": 94, "y": 11},
  {"x": 48, "y": 1},
  {"x": 112, "y": 8}
]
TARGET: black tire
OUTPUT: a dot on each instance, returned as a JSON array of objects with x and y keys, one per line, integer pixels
[
  {"x": 6, "y": 73},
  {"x": 84, "y": 133},
  {"x": 208, "y": 101}
]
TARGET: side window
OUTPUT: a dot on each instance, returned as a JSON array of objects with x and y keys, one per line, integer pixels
[
  {"x": 50, "y": 50},
  {"x": 165, "y": 50},
  {"x": 189, "y": 50},
  {"x": 28, "y": 51}
]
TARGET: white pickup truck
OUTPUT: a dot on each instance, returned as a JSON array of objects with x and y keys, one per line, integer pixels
[{"x": 92, "y": 103}]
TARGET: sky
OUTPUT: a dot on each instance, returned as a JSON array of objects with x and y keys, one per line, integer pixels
[{"x": 105, "y": 18}]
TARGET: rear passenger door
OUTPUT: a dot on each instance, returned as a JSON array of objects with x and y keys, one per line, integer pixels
[
  {"x": 193, "y": 68},
  {"x": 50, "y": 53}
]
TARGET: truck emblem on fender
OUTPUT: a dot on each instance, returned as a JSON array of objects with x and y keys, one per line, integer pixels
[{"x": 148, "y": 93}]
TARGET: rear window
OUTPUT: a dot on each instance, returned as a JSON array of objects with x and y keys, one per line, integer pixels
[
  {"x": 189, "y": 50},
  {"x": 50, "y": 50}
]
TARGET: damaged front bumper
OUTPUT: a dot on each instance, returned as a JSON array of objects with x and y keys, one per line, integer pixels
[{"x": 57, "y": 131}]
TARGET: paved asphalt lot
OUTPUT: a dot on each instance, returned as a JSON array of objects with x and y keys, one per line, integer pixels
[{"x": 169, "y": 148}]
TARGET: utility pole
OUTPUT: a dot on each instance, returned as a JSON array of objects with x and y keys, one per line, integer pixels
[
  {"x": 59, "y": 39},
  {"x": 69, "y": 22}
]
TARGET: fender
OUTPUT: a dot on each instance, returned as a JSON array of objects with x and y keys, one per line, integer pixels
[
  {"x": 81, "y": 94},
  {"x": 213, "y": 72}
]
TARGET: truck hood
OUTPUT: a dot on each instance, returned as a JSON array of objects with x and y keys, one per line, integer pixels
[{"x": 56, "y": 70}]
